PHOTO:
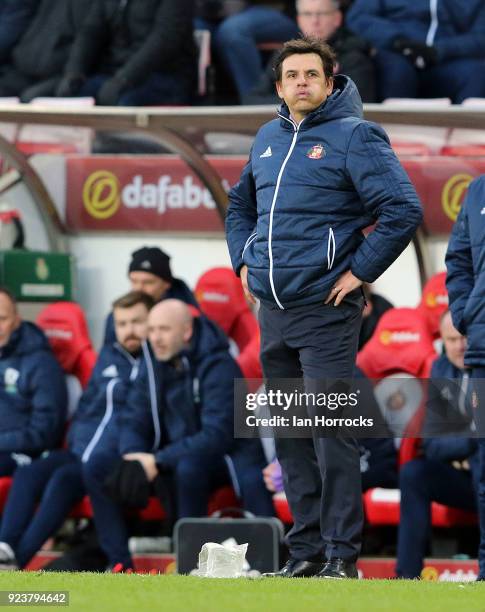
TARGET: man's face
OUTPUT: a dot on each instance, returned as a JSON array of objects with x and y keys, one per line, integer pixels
[
  {"x": 148, "y": 283},
  {"x": 9, "y": 319},
  {"x": 454, "y": 342},
  {"x": 318, "y": 18},
  {"x": 131, "y": 325},
  {"x": 303, "y": 85},
  {"x": 167, "y": 336}
]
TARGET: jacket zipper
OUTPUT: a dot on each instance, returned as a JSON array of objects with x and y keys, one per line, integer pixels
[
  {"x": 106, "y": 418},
  {"x": 153, "y": 397},
  {"x": 109, "y": 402},
  {"x": 273, "y": 204},
  {"x": 433, "y": 9}
]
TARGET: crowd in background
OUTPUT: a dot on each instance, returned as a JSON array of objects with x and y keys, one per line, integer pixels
[{"x": 143, "y": 52}]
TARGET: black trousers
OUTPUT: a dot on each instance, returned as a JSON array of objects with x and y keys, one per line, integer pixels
[{"x": 321, "y": 475}]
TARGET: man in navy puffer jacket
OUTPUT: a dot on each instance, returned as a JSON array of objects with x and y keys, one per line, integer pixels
[
  {"x": 44, "y": 492},
  {"x": 465, "y": 282},
  {"x": 317, "y": 176},
  {"x": 33, "y": 396},
  {"x": 179, "y": 424},
  {"x": 425, "y": 48}
]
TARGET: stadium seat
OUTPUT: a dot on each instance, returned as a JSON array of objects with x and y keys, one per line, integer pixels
[
  {"x": 65, "y": 326},
  {"x": 401, "y": 343},
  {"x": 5, "y": 484},
  {"x": 33, "y": 139},
  {"x": 466, "y": 142},
  {"x": 221, "y": 298},
  {"x": 410, "y": 149},
  {"x": 464, "y": 150},
  {"x": 422, "y": 140},
  {"x": 382, "y": 508},
  {"x": 222, "y": 498},
  {"x": 434, "y": 302},
  {"x": 398, "y": 355}
]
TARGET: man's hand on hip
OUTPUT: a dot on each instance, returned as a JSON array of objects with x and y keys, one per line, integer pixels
[
  {"x": 148, "y": 462},
  {"x": 244, "y": 280},
  {"x": 345, "y": 284}
]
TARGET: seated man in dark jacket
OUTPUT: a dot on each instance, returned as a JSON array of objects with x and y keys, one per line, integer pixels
[
  {"x": 425, "y": 49},
  {"x": 44, "y": 492},
  {"x": 33, "y": 395},
  {"x": 149, "y": 271},
  {"x": 447, "y": 472},
  {"x": 323, "y": 19},
  {"x": 133, "y": 54},
  {"x": 38, "y": 58},
  {"x": 179, "y": 424}
]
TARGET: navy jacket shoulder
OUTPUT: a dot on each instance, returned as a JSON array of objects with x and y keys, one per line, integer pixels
[{"x": 33, "y": 396}]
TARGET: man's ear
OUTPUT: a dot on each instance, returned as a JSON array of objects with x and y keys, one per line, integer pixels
[
  {"x": 279, "y": 89},
  {"x": 189, "y": 330}
]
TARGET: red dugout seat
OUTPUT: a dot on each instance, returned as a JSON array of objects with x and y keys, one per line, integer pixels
[
  {"x": 401, "y": 343},
  {"x": 221, "y": 298},
  {"x": 65, "y": 326},
  {"x": 464, "y": 150},
  {"x": 434, "y": 302}
]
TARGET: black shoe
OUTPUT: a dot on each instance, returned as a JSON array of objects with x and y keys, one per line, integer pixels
[
  {"x": 294, "y": 568},
  {"x": 339, "y": 568}
]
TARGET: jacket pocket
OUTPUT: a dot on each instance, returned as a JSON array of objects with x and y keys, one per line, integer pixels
[{"x": 331, "y": 249}]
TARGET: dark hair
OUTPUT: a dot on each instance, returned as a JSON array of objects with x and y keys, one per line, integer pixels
[
  {"x": 306, "y": 44},
  {"x": 6, "y": 291},
  {"x": 132, "y": 299}
]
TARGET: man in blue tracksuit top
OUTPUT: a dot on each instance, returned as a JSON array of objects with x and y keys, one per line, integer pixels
[
  {"x": 446, "y": 472},
  {"x": 425, "y": 48},
  {"x": 465, "y": 282},
  {"x": 33, "y": 396},
  {"x": 179, "y": 425},
  {"x": 44, "y": 492},
  {"x": 317, "y": 175}
]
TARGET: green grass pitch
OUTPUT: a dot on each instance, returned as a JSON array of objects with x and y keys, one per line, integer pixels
[{"x": 106, "y": 592}]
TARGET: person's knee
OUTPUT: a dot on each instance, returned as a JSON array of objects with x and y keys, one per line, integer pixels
[
  {"x": 27, "y": 475},
  {"x": 250, "y": 480},
  {"x": 190, "y": 471},
  {"x": 97, "y": 469},
  {"x": 232, "y": 29},
  {"x": 395, "y": 71},
  {"x": 69, "y": 476}
]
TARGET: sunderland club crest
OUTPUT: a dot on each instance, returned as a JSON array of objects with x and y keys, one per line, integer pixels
[{"x": 316, "y": 152}]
